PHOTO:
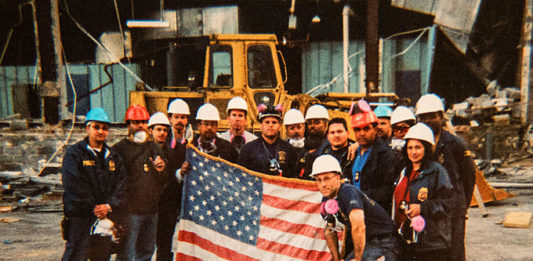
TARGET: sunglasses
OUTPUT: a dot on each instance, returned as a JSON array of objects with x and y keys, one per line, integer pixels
[
  {"x": 98, "y": 127},
  {"x": 400, "y": 128}
]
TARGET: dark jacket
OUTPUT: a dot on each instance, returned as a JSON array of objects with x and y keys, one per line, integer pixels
[
  {"x": 89, "y": 180},
  {"x": 254, "y": 157},
  {"x": 377, "y": 177},
  {"x": 224, "y": 149},
  {"x": 171, "y": 195},
  {"x": 304, "y": 167},
  {"x": 145, "y": 184},
  {"x": 433, "y": 190},
  {"x": 454, "y": 155}
]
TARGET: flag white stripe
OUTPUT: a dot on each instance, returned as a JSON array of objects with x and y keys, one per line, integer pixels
[
  {"x": 292, "y": 194},
  {"x": 198, "y": 252},
  {"x": 292, "y": 216},
  {"x": 292, "y": 239},
  {"x": 227, "y": 242}
]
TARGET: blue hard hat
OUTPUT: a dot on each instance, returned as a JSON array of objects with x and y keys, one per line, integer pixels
[
  {"x": 383, "y": 111},
  {"x": 97, "y": 114}
]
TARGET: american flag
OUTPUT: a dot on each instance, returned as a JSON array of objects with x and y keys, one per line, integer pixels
[{"x": 232, "y": 213}]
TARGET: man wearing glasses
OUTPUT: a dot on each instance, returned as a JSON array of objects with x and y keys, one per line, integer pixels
[{"x": 94, "y": 181}]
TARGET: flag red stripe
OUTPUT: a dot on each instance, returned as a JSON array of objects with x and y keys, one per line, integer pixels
[
  {"x": 203, "y": 243},
  {"x": 292, "y": 185},
  {"x": 184, "y": 257},
  {"x": 288, "y": 227},
  {"x": 292, "y": 251},
  {"x": 286, "y": 204}
]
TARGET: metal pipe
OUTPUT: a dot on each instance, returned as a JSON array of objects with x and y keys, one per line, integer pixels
[{"x": 345, "y": 45}]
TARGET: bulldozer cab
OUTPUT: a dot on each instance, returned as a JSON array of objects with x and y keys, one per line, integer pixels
[{"x": 234, "y": 65}]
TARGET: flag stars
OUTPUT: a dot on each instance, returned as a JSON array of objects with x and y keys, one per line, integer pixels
[
  {"x": 243, "y": 218},
  {"x": 237, "y": 208},
  {"x": 239, "y": 233},
  {"x": 201, "y": 217},
  {"x": 224, "y": 203},
  {"x": 219, "y": 178},
  {"x": 213, "y": 222},
  {"x": 201, "y": 178},
  {"x": 255, "y": 208},
  {"x": 212, "y": 198},
  {"x": 230, "y": 198},
  {"x": 250, "y": 198},
  {"x": 194, "y": 168},
  {"x": 257, "y": 193},
  {"x": 217, "y": 208},
  {"x": 242, "y": 203},
  {"x": 250, "y": 184},
  {"x": 207, "y": 188},
  {"x": 191, "y": 198},
  {"x": 201, "y": 164},
  {"x": 237, "y": 193},
  {"x": 199, "y": 192},
  {"x": 190, "y": 212},
  {"x": 204, "y": 203},
  {"x": 247, "y": 228},
  {"x": 230, "y": 183},
  {"x": 251, "y": 238},
  {"x": 213, "y": 169},
  {"x": 222, "y": 218},
  {"x": 193, "y": 182},
  {"x": 243, "y": 188},
  {"x": 254, "y": 222},
  {"x": 237, "y": 179},
  {"x": 196, "y": 207},
  {"x": 249, "y": 213},
  {"x": 212, "y": 183},
  {"x": 209, "y": 212},
  {"x": 226, "y": 174},
  {"x": 226, "y": 227},
  {"x": 234, "y": 223},
  {"x": 230, "y": 213},
  {"x": 206, "y": 173}
]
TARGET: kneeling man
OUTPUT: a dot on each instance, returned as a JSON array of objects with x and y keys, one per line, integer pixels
[{"x": 369, "y": 231}]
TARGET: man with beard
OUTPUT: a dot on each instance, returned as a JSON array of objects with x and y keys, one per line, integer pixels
[
  {"x": 237, "y": 111},
  {"x": 373, "y": 168},
  {"x": 94, "y": 180},
  {"x": 295, "y": 128},
  {"x": 337, "y": 134},
  {"x": 178, "y": 114},
  {"x": 167, "y": 215},
  {"x": 453, "y": 154},
  {"x": 146, "y": 174},
  {"x": 368, "y": 230},
  {"x": 316, "y": 118},
  {"x": 384, "y": 130},
  {"x": 269, "y": 154}
]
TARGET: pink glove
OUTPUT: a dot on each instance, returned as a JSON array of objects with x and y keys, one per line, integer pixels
[{"x": 418, "y": 223}]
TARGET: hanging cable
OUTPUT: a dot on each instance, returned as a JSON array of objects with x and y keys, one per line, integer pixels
[
  {"x": 65, "y": 142},
  {"x": 121, "y": 31},
  {"x": 319, "y": 89},
  {"x": 108, "y": 52}
]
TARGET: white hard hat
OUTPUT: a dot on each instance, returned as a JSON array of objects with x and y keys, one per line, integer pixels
[
  {"x": 237, "y": 103},
  {"x": 317, "y": 111},
  {"x": 420, "y": 131},
  {"x": 429, "y": 103},
  {"x": 293, "y": 116},
  {"x": 158, "y": 118},
  {"x": 402, "y": 113},
  {"x": 208, "y": 112},
  {"x": 325, "y": 163},
  {"x": 178, "y": 106}
]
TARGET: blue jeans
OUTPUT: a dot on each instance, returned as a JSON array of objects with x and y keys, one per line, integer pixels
[
  {"x": 140, "y": 243},
  {"x": 387, "y": 246}
]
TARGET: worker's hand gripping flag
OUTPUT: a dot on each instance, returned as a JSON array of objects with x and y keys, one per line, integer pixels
[{"x": 232, "y": 213}]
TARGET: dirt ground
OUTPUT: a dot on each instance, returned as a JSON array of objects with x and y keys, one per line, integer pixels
[{"x": 37, "y": 237}]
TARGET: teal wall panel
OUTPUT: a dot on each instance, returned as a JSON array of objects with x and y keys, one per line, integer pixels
[
  {"x": 323, "y": 61},
  {"x": 114, "y": 98}
]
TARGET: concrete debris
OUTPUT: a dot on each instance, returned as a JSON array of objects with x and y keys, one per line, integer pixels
[
  {"x": 517, "y": 220},
  {"x": 9, "y": 220},
  {"x": 497, "y": 105},
  {"x": 38, "y": 194}
]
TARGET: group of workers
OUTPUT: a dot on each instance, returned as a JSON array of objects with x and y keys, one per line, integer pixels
[{"x": 397, "y": 174}]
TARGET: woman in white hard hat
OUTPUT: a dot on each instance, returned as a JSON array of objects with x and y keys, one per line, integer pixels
[{"x": 423, "y": 199}]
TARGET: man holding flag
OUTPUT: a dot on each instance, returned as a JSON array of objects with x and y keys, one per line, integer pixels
[{"x": 368, "y": 228}]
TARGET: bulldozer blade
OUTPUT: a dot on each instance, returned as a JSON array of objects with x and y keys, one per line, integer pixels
[{"x": 488, "y": 193}]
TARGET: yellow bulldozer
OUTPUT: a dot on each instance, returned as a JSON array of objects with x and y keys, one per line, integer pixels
[{"x": 220, "y": 66}]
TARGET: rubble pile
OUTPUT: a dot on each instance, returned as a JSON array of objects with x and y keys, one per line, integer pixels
[{"x": 27, "y": 180}]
